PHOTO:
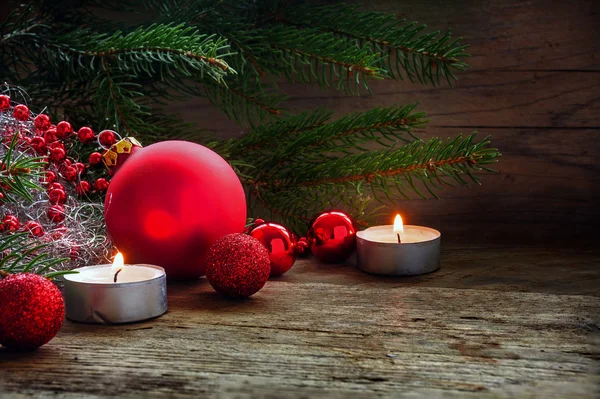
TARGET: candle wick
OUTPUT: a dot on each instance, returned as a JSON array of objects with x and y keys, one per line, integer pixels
[
  {"x": 116, "y": 274},
  {"x": 399, "y": 240}
]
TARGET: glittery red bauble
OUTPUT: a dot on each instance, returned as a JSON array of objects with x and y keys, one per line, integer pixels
[
  {"x": 31, "y": 311},
  {"x": 42, "y": 122},
  {"x": 21, "y": 112},
  {"x": 332, "y": 237},
  {"x": 101, "y": 184},
  {"x": 85, "y": 135},
  {"x": 169, "y": 202},
  {"x": 237, "y": 265},
  {"x": 34, "y": 228},
  {"x": 63, "y": 129},
  {"x": 56, "y": 213},
  {"x": 4, "y": 102},
  {"x": 95, "y": 158},
  {"x": 280, "y": 243},
  {"x": 107, "y": 138}
]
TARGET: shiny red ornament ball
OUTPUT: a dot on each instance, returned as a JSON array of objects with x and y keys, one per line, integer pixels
[
  {"x": 4, "y": 102},
  {"x": 332, "y": 237},
  {"x": 63, "y": 129},
  {"x": 70, "y": 173},
  {"x": 56, "y": 213},
  {"x": 83, "y": 187},
  {"x": 31, "y": 311},
  {"x": 237, "y": 265},
  {"x": 39, "y": 145},
  {"x": 35, "y": 229},
  {"x": 101, "y": 184},
  {"x": 50, "y": 136},
  {"x": 107, "y": 138},
  {"x": 42, "y": 122},
  {"x": 170, "y": 202},
  {"x": 21, "y": 112},
  {"x": 85, "y": 135},
  {"x": 49, "y": 177},
  {"x": 280, "y": 243},
  {"x": 80, "y": 168},
  {"x": 58, "y": 153},
  {"x": 95, "y": 158},
  {"x": 57, "y": 196},
  {"x": 56, "y": 186},
  {"x": 10, "y": 223},
  {"x": 302, "y": 247}
]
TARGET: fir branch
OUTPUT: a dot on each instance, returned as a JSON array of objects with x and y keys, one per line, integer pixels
[{"x": 18, "y": 174}]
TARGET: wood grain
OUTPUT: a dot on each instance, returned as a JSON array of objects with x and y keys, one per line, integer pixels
[{"x": 488, "y": 324}]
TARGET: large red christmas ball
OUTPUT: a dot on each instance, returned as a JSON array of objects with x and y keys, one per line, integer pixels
[
  {"x": 332, "y": 237},
  {"x": 237, "y": 265},
  {"x": 31, "y": 311},
  {"x": 280, "y": 243},
  {"x": 170, "y": 202}
]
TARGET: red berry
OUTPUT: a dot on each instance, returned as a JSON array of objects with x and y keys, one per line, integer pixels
[
  {"x": 58, "y": 154},
  {"x": 56, "y": 186},
  {"x": 35, "y": 229},
  {"x": 10, "y": 223},
  {"x": 56, "y": 213},
  {"x": 49, "y": 177},
  {"x": 101, "y": 184},
  {"x": 83, "y": 187},
  {"x": 50, "y": 136},
  {"x": 57, "y": 196},
  {"x": 70, "y": 173},
  {"x": 80, "y": 167},
  {"x": 39, "y": 145},
  {"x": 85, "y": 135},
  {"x": 21, "y": 112},
  {"x": 4, "y": 102},
  {"x": 95, "y": 158},
  {"x": 42, "y": 122},
  {"x": 63, "y": 129},
  {"x": 107, "y": 138}
]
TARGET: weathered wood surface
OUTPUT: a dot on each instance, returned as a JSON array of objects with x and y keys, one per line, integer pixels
[
  {"x": 504, "y": 322},
  {"x": 534, "y": 86}
]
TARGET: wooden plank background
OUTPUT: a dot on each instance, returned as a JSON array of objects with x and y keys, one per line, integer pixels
[{"x": 534, "y": 86}]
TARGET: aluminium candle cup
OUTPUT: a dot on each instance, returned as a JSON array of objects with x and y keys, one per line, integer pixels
[
  {"x": 398, "y": 259},
  {"x": 115, "y": 303}
]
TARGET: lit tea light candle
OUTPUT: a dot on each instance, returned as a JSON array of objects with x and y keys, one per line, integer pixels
[
  {"x": 398, "y": 249},
  {"x": 117, "y": 293}
]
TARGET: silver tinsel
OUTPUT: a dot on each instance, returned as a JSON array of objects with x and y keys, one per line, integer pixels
[{"x": 82, "y": 236}]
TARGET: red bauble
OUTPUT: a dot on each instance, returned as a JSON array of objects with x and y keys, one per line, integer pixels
[
  {"x": 63, "y": 129},
  {"x": 119, "y": 152},
  {"x": 83, "y": 187},
  {"x": 107, "y": 138},
  {"x": 57, "y": 196},
  {"x": 4, "y": 102},
  {"x": 70, "y": 173},
  {"x": 35, "y": 229},
  {"x": 170, "y": 202},
  {"x": 280, "y": 243},
  {"x": 85, "y": 135},
  {"x": 302, "y": 247},
  {"x": 49, "y": 177},
  {"x": 21, "y": 112},
  {"x": 10, "y": 223},
  {"x": 58, "y": 152},
  {"x": 39, "y": 145},
  {"x": 237, "y": 265},
  {"x": 56, "y": 186},
  {"x": 95, "y": 158},
  {"x": 80, "y": 168},
  {"x": 31, "y": 311},
  {"x": 42, "y": 122},
  {"x": 50, "y": 136},
  {"x": 101, "y": 184},
  {"x": 56, "y": 213},
  {"x": 332, "y": 237}
]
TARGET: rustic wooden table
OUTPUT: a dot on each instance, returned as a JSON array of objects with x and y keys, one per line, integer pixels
[{"x": 497, "y": 322}]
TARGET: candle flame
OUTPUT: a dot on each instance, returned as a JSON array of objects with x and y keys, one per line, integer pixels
[
  {"x": 398, "y": 225},
  {"x": 118, "y": 263}
]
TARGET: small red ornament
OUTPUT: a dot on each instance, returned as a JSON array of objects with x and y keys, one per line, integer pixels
[
  {"x": 49, "y": 177},
  {"x": 107, "y": 138},
  {"x": 95, "y": 158},
  {"x": 57, "y": 152},
  {"x": 302, "y": 247},
  {"x": 21, "y": 112},
  {"x": 35, "y": 229},
  {"x": 280, "y": 243},
  {"x": 237, "y": 265},
  {"x": 42, "y": 122},
  {"x": 332, "y": 237},
  {"x": 31, "y": 311},
  {"x": 56, "y": 186},
  {"x": 56, "y": 213},
  {"x": 101, "y": 184},
  {"x": 83, "y": 187},
  {"x": 39, "y": 145},
  {"x": 4, "y": 102},
  {"x": 10, "y": 223},
  {"x": 63, "y": 129},
  {"x": 57, "y": 196},
  {"x": 80, "y": 167},
  {"x": 50, "y": 136},
  {"x": 70, "y": 173},
  {"x": 85, "y": 135}
]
